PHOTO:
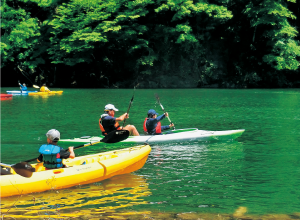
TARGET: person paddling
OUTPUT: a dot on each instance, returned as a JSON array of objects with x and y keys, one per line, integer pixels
[
  {"x": 108, "y": 122},
  {"x": 23, "y": 87},
  {"x": 44, "y": 88},
  {"x": 51, "y": 154},
  {"x": 152, "y": 124}
]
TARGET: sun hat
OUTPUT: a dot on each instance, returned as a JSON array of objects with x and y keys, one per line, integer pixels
[
  {"x": 152, "y": 112},
  {"x": 110, "y": 107},
  {"x": 53, "y": 135}
]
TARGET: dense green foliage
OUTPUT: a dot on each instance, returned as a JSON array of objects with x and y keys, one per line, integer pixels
[{"x": 160, "y": 43}]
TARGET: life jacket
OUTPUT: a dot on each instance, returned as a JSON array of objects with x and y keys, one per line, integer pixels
[
  {"x": 44, "y": 89},
  {"x": 157, "y": 128},
  {"x": 117, "y": 126},
  {"x": 23, "y": 88},
  {"x": 51, "y": 156}
]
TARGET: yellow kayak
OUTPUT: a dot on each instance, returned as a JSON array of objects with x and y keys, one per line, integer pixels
[
  {"x": 80, "y": 170},
  {"x": 45, "y": 93}
]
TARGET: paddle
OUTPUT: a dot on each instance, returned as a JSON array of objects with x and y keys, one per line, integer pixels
[
  {"x": 23, "y": 168},
  {"x": 35, "y": 86},
  {"x": 157, "y": 98},
  {"x": 130, "y": 104},
  {"x": 26, "y": 170}
]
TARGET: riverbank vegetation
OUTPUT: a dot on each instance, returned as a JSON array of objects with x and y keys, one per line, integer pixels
[{"x": 159, "y": 43}]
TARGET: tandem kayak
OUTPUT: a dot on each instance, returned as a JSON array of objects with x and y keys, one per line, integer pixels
[
  {"x": 19, "y": 92},
  {"x": 80, "y": 170},
  {"x": 46, "y": 93},
  {"x": 179, "y": 135}
]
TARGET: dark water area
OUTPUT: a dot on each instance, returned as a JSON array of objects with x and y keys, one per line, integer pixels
[{"x": 256, "y": 174}]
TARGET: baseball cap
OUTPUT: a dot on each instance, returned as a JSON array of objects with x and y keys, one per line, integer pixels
[
  {"x": 110, "y": 107},
  {"x": 53, "y": 135},
  {"x": 152, "y": 112}
]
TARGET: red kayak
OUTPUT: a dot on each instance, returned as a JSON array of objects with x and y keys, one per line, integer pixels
[{"x": 6, "y": 95}]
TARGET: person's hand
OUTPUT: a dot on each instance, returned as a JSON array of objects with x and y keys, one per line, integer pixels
[
  {"x": 71, "y": 148},
  {"x": 126, "y": 115},
  {"x": 166, "y": 114},
  {"x": 171, "y": 125}
]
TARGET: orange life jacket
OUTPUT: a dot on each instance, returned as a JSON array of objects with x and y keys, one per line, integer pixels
[
  {"x": 117, "y": 126},
  {"x": 157, "y": 129}
]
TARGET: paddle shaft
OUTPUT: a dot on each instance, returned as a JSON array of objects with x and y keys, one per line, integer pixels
[
  {"x": 83, "y": 145},
  {"x": 5, "y": 165},
  {"x": 112, "y": 137},
  {"x": 130, "y": 104},
  {"x": 35, "y": 86},
  {"x": 157, "y": 97}
]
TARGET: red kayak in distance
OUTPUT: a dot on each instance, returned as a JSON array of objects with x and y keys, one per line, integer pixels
[{"x": 5, "y": 96}]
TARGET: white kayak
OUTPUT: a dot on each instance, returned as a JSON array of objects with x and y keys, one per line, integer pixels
[
  {"x": 179, "y": 135},
  {"x": 19, "y": 92}
]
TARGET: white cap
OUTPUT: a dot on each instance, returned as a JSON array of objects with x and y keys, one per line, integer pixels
[
  {"x": 110, "y": 107},
  {"x": 53, "y": 135}
]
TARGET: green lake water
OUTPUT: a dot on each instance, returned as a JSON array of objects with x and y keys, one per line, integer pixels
[{"x": 260, "y": 170}]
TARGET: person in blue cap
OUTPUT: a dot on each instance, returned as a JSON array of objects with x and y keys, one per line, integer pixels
[{"x": 152, "y": 125}]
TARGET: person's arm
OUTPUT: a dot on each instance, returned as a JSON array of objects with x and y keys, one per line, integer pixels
[
  {"x": 64, "y": 154},
  {"x": 40, "y": 158},
  {"x": 166, "y": 127},
  {"x": 161, "y": 117},
  {"x": 72, "y": 154},
  {"x": 122, "y": 117}
]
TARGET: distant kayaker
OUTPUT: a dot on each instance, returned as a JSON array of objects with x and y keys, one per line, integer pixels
[
  {"x": 152, "y": 125},
  {"x": 23, "y": 87},
  {"x": 44, "y": 88},
  {"x": 108, "y": 122},
  {"x": 51, "y": 154}
]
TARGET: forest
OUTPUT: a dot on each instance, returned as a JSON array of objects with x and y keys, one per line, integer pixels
[{"x": 156, "y": 43}]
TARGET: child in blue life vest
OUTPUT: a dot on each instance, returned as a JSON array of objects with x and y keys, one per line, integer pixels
[
  {"x": 51, "y": 154},
  {"x": 23, "y": 87},
  {"x": 152, "y": 125}
]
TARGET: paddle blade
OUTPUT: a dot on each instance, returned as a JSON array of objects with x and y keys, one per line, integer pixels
[
  {"x": 116, "y": 136},
  {"x": 4, "y": 171},
  {"x": 35, "y": 86},
  {"x": 23, "y": 169}
]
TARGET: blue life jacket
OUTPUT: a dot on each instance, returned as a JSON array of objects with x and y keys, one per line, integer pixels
[
  {"x": 23, "y": 88},
  {"x": 51, "y": 156}
]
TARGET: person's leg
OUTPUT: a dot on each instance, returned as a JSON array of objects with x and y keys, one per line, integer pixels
[{"x": 132, "y": 130}]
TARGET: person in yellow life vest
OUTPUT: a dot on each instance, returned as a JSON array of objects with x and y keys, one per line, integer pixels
[
  {"x": 108, "y": 122},
  {"x": 44, "y": 88}
]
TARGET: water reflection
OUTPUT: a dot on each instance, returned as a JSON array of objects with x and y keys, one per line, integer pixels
[
  {"x": 4, "y": 99},
  {"x": 195, "y": 177},
  {"x": 103, "y": 198}
]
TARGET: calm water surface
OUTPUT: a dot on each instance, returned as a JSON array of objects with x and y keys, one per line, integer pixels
[{"x": 260, "y": 170}]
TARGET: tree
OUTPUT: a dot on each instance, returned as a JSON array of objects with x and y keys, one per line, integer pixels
[{"x": 19, "y": 36}]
